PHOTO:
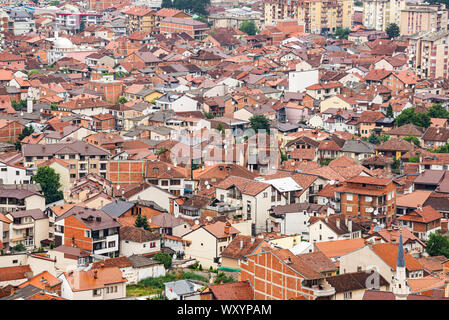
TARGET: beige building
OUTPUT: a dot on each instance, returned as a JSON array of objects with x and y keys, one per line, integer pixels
[
  {"x": 427, "y": 52},
  {"x": 379, "y": 14},
  {"x": 208, "y": 242},
  {"x": 28, "y": 227},
  {"x": 82, "y": 158},
  {"x": 425, "y": 17},
  {"x": 318, "y": 16},
  {"x": 140, "y": 19}
]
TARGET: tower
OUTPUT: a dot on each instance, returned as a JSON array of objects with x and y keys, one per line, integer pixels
[{"x": 400, "y": 287}]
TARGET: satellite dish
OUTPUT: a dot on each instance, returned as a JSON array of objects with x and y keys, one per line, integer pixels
[
  {"x": 118, "y": 187},
  {"x": 21, "y": 114},
  {"x": 206, "y": 182},
  {"x": 332, "y": 182},
  {"x": 208, "y": 187},
  {"x": 42, "y": 110},
  {"x": 197, "y": 222}
]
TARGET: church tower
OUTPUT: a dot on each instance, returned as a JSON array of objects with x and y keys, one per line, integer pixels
[{"x": 400, "y": 287}]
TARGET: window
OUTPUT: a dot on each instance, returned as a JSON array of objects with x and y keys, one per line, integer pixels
[
  {"x": 87, "y": 233},
  {"x": 97, "y": 292},
  {"x": 111, "y": 244},
  {"x": 348, "y": 295},
  {"x": 152, "y": 244},
  {"x": 349, "y": 197},
  {"x": 17, "y": 173}
]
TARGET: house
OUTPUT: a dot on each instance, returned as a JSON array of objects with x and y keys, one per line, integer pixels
[
  {"x": 435, "y": 137},
  {"x": 352, "y": 286},
  {"x": 209, "y": 241},
  {"x": 29, "y": 227},
  {"x": 138, "y": 241},
  {"x": 10, "y": 130},
  {"x": 17, "y": 199},
  {"x": 44, "y": 281},
  {"x": 395, "y": 147},
  {"x": 93, "y": 284},
  {"x": 240, "y": 290},
  {"x": 177, "y": 103},
  {"x": 422, "y": 222},
  {"x": 334, "y": 249},
  {"x": 384, "y": 257},
  {"x": 134, "y": 268},
  {"x": 89, "y": 229},
  {"x": 181, "y": 289},
  {"x": 281, "y": 275},
  {"x": 368, "y": 196},
  {"x": 293, "y": 218},
  {"x": 238, "y": 249},
  {"x": 333, "y": 227}
]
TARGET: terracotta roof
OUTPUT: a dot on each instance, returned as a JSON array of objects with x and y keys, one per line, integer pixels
[
  {"x": 424, "y": 215},
  {"x": 120, "y": 262},
  {"x": 137, "y": 234},
  {"x": 241, "y": 246},
  {"x": 337, "y": 248},
  {"x": 217, "y": 229},
  {"x": 42, "y": 280},
  {"x": 245, "y": 186},
  {"x": 297, "y": 263},
  {"x": 318, "y": 261},
  {"x": 233, "y": 291},
  {"x": 436, "y": 134},
  {"x": 14, "y": 273},
  {"x": 388, "y": 252},
  {"x": 413, "y": 199},
  {"x": 81, "y": 280},
  {"x": 432, "y": 264}
]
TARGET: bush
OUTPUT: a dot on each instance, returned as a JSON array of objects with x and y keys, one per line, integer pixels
[
  {"x": 19, "y": 247},
  {"x": 193, "y": 276},
  {"x": 164, "y": 258},
  {"x": 223, "y": 278}
]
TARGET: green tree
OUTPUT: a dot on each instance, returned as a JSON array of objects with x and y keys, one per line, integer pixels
[
  {"x": 82, "y": 26},
  {"x": 412, "y": 139},
  {"x": 438, "y": 111},
  {"x": 374, "y": 139},
  {"x": 393, "y": 31},
  {"x": 53, "y": 106},
  {"x": 167, "y": 4},
  {"x": 410, "y": 116},
  {"x": 141, "y": 222},
  {"x": 443, "y": 149},
  {"x": 49, "y": 181},
  {"x": 223, "y": 278},
  {"x": 163, "y": 258},
  {"x": 259, "y": 122},
  {"x": 342, "y": 33},
  {"x": 19, "y": 247},
  {"x": 121, "y": 100},
  {"x": 384, "y": 138},
  {"x": 249, "y": 27},
  {"x": 414, "y": 159},
  {"x": 19, "y": 105},
  {"x": 390, "y": 111},
  {"x": 438, "y": 245},
  {"x": 209, "y": 115}
]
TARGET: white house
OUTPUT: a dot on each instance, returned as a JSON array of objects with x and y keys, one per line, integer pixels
[
  {"x": 177, "y": 103},
  {"x": 299, "y": 80}
]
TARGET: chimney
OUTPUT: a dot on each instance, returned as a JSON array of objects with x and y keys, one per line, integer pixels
[
  {"x": 95, "y": 274},
  {"x": 253, "y": 239},
  {"x": 227, "y": 228},
  {"x": 337, "y": 222},
  {"x": 241, "y": 244},
  {"x": 29, "y": 105},
  {"x": 350, "y": 225}
]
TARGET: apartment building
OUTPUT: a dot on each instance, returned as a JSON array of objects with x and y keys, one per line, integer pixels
[
  {"x": 140, "y": 19},
  {"x": 89, "y": 229},
  {"x": 318, "y": 16},
  {"x": 423, "y": 17},
  {"x": 427, "y": 52},
  {"x": 14, "y": 174},
  {"x": 82, "y": 157},
  {"x": 101, "y": 5},
  {"x": 166, "y": 176},
  {"x": 379, "y": 14},
  {"x": 110, "y": 88},
  {"x": 28, "y": 227},
  {"x": 195, "y": 29},
  {"x": 369, "y": 197}
]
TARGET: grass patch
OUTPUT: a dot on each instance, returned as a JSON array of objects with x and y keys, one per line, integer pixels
[
  {"x": 193, "y": 276},
  {"x": 140, "y": 291}
]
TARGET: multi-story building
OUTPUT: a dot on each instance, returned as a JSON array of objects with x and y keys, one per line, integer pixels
[
  {"x": 281, "y": 275},
  {"x": 195, "y": 29},
  {"x": 368, "y": 197},
  {"x": 101, "y": 5},
  {"x": 82, "y": 157},
  {"x": 73, "y": 20},
  {"x": 28, "y": 227},
  {"x": 379, "y": 14},
  {"x": 111, "y": 89},
  {"x": 89, "y": 229},
  {"x": 427, "y": 53},
  {"x": 318, "y": 16},
  {"x": 16, "y": 198},
  {"x": 140, "y": 19},
  {"x": 418, "y": 18}
]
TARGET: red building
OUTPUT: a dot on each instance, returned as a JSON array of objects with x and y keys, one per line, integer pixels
[
  {"x": 104, "y": 122},
  {"x": 12, "y": 61},
  {"x": 369, "y": 197},
  {"x": 101, "y": 5},
  {"x": 281, "y": 275},
  {"x": 10, "y": 130},
  {"x": 111, "y": 89},
  {"x": 193, "y": 28}
]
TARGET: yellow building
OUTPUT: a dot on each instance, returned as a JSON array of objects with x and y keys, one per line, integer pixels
[
  {"x": 140, "y": 19},
  {"x": 317, "y": 15}
]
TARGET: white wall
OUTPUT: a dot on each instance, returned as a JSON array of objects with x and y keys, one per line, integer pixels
[{"x": 299, "y": 80}]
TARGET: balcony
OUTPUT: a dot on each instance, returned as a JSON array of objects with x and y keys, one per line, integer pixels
[
  {"x": 323, "y": 290},
  {"x": 23, "y": 225}
]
